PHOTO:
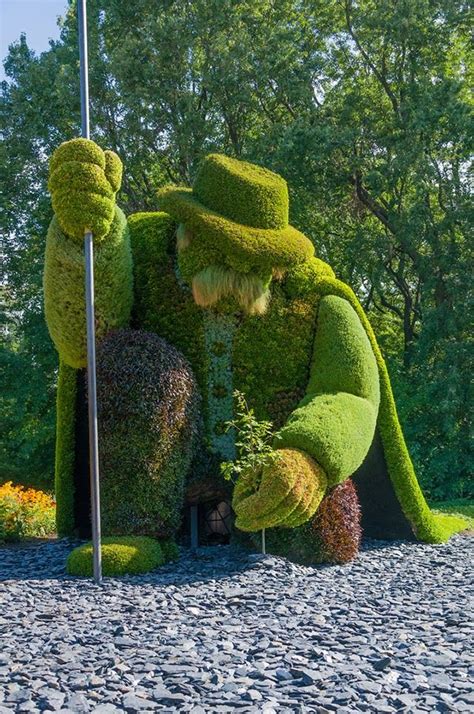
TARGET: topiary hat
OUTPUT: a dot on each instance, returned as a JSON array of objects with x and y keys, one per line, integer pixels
[{"x": 242, "y": 210}]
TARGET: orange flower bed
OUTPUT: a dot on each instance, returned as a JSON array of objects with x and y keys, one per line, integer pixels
[{"x": 25, "y": 512}]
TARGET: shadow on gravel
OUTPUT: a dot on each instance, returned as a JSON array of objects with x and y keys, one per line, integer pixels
[{"x": 46, "y": 561}]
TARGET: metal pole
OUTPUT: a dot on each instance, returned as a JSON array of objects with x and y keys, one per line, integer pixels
[
  {"x": 84, "y": 70},
  {"x": 90, "y": 315}
]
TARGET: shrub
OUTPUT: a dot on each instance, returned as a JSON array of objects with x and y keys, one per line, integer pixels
[
  {"x": 337, "y": 524},
  {"x": 121, "y": 555},
  {"x": 333, "y": 535},
  {"x": 148, "y": 425},
  {"x": 25, "y": 513},
  {"x": 170, "y": 550}
]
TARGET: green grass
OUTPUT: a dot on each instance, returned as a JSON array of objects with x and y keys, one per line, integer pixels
[{"x": 458, "y": 507}]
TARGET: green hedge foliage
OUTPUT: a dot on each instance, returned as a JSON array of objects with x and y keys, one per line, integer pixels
[
  {"x": 65, "y": 442},
  {"x": 64, "y": 296},
  {"x": 272, "y": 354},
  {"x": 83, "y": 182},
  {"x": 121, "y": 555},
  {"x": 148, "y": 427},
  {"x": 246, "y": 249},
  {"x": 237, "y": 214},
  {"x": 161, "y": 304},
  {"x": 242, "y": 192},
  {"x": 428, "y": 527},
  {"x": 335, "y": 422}
]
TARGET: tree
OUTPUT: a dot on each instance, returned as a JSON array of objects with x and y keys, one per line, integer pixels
[{"x": 362, "y": 106}]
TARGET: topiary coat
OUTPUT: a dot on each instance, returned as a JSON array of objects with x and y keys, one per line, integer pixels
[{"x": 310, "y": 363}]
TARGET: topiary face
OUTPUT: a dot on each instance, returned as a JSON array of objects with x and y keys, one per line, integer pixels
[
  {"x": 219, "y": 284},
  {"x": 234, "y": 233}
]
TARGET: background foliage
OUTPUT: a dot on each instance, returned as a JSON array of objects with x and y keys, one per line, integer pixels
[{"x": 363, "y": 108}]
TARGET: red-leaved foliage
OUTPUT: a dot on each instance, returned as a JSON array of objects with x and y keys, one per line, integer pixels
[{"x": 337, "y": 524}]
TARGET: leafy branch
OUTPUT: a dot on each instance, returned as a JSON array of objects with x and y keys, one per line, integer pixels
[{"x": 254, "y": 440}]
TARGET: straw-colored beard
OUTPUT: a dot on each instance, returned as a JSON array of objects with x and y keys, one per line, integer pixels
[{"x": 216, "y": 282}]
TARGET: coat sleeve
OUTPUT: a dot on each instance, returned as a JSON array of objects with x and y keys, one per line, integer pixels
[{"x": 335, "y": 422}]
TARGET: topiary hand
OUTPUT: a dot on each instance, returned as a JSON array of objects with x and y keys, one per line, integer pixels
[
  {"x": 83, "y": 181},
  {"x": 287, "y": 492}
]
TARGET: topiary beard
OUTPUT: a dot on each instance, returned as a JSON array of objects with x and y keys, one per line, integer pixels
[{"x": 217, "y": 282}]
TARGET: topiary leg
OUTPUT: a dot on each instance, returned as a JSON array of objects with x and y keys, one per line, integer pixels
[{"x": 65, "y": 449}]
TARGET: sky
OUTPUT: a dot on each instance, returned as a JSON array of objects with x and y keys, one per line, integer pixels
[{"x": 36, "y": 18}]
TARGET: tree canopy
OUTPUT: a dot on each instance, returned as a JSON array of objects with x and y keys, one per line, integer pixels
[{"x": 362, "y": 106}]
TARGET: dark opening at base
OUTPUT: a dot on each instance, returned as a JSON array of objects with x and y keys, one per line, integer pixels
[
  {"x": 214, "y": 523},
  {"x": 382, "y": 515},
  {"x": 82, "y": 493}
]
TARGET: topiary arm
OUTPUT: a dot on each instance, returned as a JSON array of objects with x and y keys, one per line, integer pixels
[
  {"x": 335, "y": 422},
  {"x": 83, "y": 182}
]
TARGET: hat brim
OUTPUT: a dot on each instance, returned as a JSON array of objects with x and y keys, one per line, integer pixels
[{"x": 243, "y": 245}]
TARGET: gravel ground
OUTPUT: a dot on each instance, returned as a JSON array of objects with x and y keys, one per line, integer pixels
[{"x": 225, "y": 631}]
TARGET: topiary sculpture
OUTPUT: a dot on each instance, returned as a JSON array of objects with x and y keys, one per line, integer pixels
[
  {"x": 148, "y": 414},
  {"x": 125, "y": 555},
  {"x": 332, "y": 535},
  {"x": 336, "y": 524},
  {"x": 224, "y": 278},
  {"x": 286, "y": 493}
]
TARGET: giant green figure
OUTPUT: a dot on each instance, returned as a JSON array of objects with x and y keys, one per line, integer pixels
[{"x": 221, "y": 275}]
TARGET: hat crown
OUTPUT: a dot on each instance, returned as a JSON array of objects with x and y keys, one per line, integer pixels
[{"x": 242, "y": 192}]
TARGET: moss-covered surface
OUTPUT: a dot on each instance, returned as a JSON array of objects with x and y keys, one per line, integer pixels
[
  {"x": 335, "y": 422},
  {"x": 272, "y": 355},
  {"x": 64, "y": 461},
  {"x": 121, "y": 555},
  {"x": 83, "y": 182},
  {"x": 245, "y": 193},
  {"x": 245, "y": 248},
  {"x": 162, "y": 304},
  {"x": 427, "y": 526},
  {"x": 64, "y": 291},
  {"x": 286, "y": 493},
  {"x": 238, "y": 215}
]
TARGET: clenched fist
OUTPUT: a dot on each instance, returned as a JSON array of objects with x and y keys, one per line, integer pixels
[
  {"x": 286, "y": 493},
  {"x": 83, "y": 182}
]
